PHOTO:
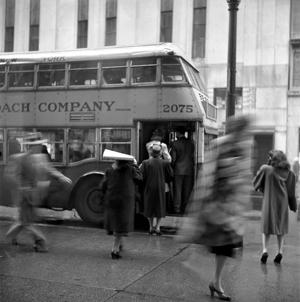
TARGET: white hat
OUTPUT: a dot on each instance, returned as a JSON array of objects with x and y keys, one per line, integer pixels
[
  {"x": 109, "y": 154},
  {"x": 33, "y": 138}
]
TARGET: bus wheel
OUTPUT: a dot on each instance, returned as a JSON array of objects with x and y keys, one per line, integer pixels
[{"x": 87, "y": 200}]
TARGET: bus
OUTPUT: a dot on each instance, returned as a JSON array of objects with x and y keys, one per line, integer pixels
[{"x": 85, "y": 101}]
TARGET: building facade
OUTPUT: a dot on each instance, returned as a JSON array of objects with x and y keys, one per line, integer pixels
[{"x": 268, "y": 48}]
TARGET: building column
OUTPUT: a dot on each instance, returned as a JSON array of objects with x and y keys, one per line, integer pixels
[
  {"x": 47, "y": 25},
  {"x": 21, "y": 34},
  {"x": 96, "y": 25}
]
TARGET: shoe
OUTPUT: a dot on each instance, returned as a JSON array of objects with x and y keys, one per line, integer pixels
[
  {"x": 220, "y": 294},
  {"x": 278, "y": 258},
  {"x": 115, "y": 255},
  {"x": 152, "y": 232},
  {"x": 264, "y": 258},
  {"x": 40, "y": 246}
]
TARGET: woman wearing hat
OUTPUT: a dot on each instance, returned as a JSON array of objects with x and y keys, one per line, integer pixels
[{"x": 156, "y": 172}]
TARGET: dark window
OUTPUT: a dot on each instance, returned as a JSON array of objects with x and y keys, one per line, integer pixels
[
  {"x": 171, "y": 70},
  {"x": 51, "y": 75},
  {"x": 143, "y": 70},
  {"x": 82, "y": 29},
  {"x": 34, "y": 25},
  {"x": 295, "y": 19},
  {"x": 2, "y": 76},
  {"x": 111, "y": 22},
  {"x": 84, "y": 73},
  {"x": 295, "y": 79},
  {"x": 166, "y": 20},
  {"x": 21, "y": 75},
  {"x": 199, "y": 27},
  {"x": 9, "y": 25},
  {"x": 114, "y": 72}
]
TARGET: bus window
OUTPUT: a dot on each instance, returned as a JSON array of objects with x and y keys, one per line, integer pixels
[
  {"x": 81, "y": 143},
  {"x": 194, "y": 77},
  {"x": 15, "y": 139},
  {"x": 114, "y": 72},
  {"x": 143, "y": 70},
  {"x": 171, "y": 70},
  {"x": 116, "y": 139},
  {"x": 55, "y": 141},
  {"x": 84, "y": 73},
  {"x": 21, "y": 75},
  {"x": 51, "y": 75},
  {"x": 2, "y": 76}
]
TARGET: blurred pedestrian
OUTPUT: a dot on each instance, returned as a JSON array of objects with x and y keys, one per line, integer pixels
[
  {"x": 277, "y": 183},
  {"x": 156, "y": 172},
  {"x": 182, "y": 154},
  {"x": 118, "y": 190},
  {"x": 220, "y": 197},
  {"x": 30, "y": 169}
]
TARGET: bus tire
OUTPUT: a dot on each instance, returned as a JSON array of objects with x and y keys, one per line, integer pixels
[{"x": 87, "y": 200}]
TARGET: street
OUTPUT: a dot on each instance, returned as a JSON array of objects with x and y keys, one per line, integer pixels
[{"x": 78, "y": 267}]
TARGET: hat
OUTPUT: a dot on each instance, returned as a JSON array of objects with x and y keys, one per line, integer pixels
[
  {"x": 113, "y": 155},
  {"x": 34, "y": 138},
  {"x": 155, "y": 150}
]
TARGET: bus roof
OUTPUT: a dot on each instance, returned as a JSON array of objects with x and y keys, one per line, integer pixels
[{"x": 111, "y": 52}]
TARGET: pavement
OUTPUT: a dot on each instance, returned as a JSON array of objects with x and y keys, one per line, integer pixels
[{"x": 78, "y": 267}]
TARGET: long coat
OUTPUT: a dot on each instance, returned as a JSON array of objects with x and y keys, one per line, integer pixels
[
  {"x": 220, "y": 195},
  {"x": 277, "y": 185},
  {"x": 118, "y": 188},
  {"x": 156, "y": 172}
]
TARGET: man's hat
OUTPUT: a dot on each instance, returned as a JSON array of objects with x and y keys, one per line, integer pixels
[
  {"x": 113, "y": 155},
  {"x": 33, "y": 138}
]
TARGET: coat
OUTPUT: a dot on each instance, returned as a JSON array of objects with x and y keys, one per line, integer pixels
[
  {"x": 182, "y": 154},
  {"x": 118, "y": 189},
  {"x": 277, "y": 185},
  {"x": 156, "y": 172},
  {"x": 221, "y": 194}
]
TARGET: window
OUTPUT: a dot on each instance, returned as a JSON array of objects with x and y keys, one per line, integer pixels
[
  {"x": 9, "y": 25},
  {"x": 81, "y": 144},
  {"x": 111, "y": 22},
  {"x": 116, "y": 139},
  {"x": 55, "y": 143},
  {"x": 51, "y": 75},
  {"x": 114, "y": 72},
  {"x": 143, "y": 70},
  {"x": 34, "y": 25},
  {"x": 166, "y": 20},
  {"x": 220, "y": 98},
  {"x": 2, "y": 76},
  {"x": 82, "y": 29},
  {"x": 21, "y": 75},
  {"x": 171, "y": 70},
  {"x": 295, "y": 46},
  {"x": 194, "y": 76},
  {"x": 199, "y": 27},
  {"x": 84, "y": 73},
  {"x": 15, "y": 140}
]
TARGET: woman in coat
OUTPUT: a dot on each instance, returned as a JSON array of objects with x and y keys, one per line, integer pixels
[
  {"x": 277, "y": 182},
  {"x": 220, "y": 197},
  {"x": 156, "y": 172},
  {"x": 118, "y": 188}
]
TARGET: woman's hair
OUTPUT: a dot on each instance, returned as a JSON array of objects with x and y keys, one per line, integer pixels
[{"x": 279, "y": 160}]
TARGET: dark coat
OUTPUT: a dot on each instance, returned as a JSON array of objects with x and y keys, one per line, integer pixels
[
  {"x": 118, "y": 188},
  {"x": 182, "y": 154},
  {"x": 156, "y": 172},
  {"x": 277, "y": 185}
]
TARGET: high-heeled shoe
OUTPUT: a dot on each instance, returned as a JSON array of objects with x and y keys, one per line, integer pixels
[
  {"x": 264, "y": 258},
  {"x": 115, "y": 255},
  {"x": 278, "y": 258},
  {"x": 220, "y": 295}
]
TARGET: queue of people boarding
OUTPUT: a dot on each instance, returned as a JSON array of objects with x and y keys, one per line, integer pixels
[{"x": 214, "y": 205}]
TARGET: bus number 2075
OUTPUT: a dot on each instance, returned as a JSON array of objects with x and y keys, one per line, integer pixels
[{"x": 178, "y": 108}]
